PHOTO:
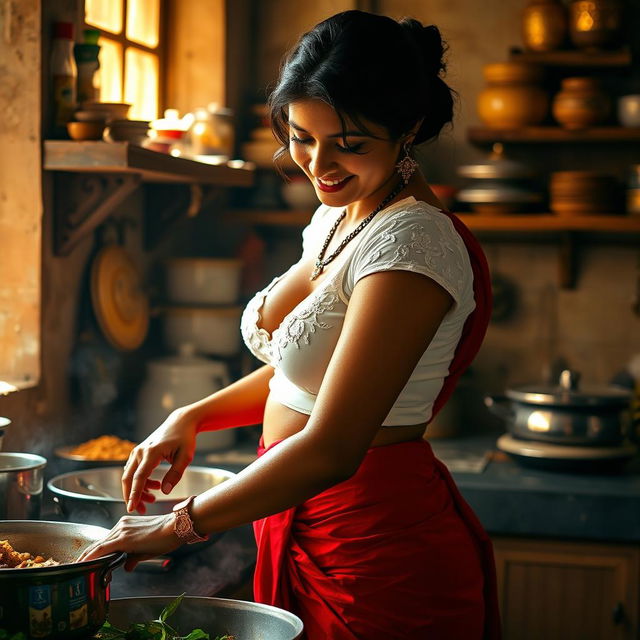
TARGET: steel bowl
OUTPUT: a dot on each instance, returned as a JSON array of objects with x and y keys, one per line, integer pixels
[
  {"x": 21, "y": 484},
  {"x": 216, "y": 616},
  {"x": 95, "y": 495},
  {"x": 58, "y": 602}
]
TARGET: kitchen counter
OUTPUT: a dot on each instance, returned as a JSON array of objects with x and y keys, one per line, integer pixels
[{"x": 512, "y": 500}]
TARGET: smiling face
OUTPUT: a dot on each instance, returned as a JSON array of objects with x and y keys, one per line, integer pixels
[{"x": 361, "y": 173}]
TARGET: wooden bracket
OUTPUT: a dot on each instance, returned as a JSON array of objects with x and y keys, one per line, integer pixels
[
  {"x": 165, "y": 203},
  {"x": 85, "y": 200}
]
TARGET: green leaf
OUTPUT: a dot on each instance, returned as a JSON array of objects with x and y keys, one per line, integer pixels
[
  {"x": 169, "y": 610},
  {"x": 196, "y": 634},
  {"x": 109, "y": 632}
]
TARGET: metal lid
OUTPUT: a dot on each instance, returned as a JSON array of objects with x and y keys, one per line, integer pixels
[
  {"x": 566, "y": 393},
  {"x": 496, "y": 166}
]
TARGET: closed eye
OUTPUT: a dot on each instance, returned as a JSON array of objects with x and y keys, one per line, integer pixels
[{"x": 354, "y": 148}]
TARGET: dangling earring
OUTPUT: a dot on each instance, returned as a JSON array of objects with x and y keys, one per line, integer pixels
[{"x": 407, "y": 166}]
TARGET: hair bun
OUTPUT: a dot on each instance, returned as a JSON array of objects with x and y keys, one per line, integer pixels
[{"x": 429, "y": 41}]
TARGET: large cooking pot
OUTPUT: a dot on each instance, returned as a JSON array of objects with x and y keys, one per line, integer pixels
[
  {"x": 95, "y": 495},
  {"x": 58, "y": 602},
  {"x": 565, "y": 414},
  {"x": 21, "y": 484},
  {"x": 216, "y": 616}
]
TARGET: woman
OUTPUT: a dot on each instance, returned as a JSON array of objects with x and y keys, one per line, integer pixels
[{"x": 360, "y": 530}]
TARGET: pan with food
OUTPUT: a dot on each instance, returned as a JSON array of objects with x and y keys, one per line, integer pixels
[{"x": 59, "y": 601}]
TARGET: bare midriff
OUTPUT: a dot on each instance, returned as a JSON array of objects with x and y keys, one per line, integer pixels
[{"x": 280, "y": 422}]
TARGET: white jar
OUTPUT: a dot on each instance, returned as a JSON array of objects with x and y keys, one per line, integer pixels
[
  {"x": 177, "y": 381},
  {"x": 203, "y": 280},
  {"x": 210, "y": 330}
]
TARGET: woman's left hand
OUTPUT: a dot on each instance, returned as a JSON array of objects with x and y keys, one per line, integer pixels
[{"x": 140, "y": 537}]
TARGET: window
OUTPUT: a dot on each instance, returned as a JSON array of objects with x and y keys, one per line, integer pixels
[{"x": 131, "y": 52}]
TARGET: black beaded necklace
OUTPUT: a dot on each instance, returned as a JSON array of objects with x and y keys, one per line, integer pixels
[{"x": 322, "y": 263}]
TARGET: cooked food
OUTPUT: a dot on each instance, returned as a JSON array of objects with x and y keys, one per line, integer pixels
[
  {"x": 104, "y": 448},
  {"x": 12, "y": 559}
]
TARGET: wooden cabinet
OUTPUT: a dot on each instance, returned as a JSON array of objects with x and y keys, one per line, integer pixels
[{"x": 551, "y": 590}]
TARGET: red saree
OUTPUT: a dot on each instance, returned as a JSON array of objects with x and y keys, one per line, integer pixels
[{"x": 393, "y": 553}]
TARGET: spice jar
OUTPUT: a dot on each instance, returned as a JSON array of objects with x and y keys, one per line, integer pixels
[
  {"x": 544, "y": 25},
  {"x": 512, "y": 97},
  {"x": 595, "y": 24},
  {"x": 633, "y": 190},
  {"x": 580, "y": 103}
]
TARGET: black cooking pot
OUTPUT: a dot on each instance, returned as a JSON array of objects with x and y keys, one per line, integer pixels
[
  {"x": 58, "y": 602},
  {"x": 565, "y": 414}
]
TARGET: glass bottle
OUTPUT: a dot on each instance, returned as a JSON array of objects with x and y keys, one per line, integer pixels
[
  {"x": 64, "y": 73},
  {"x": 86, "y": 56}
]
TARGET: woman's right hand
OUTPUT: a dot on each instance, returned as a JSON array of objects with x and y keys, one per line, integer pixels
[{"x": 174, "y": 441}]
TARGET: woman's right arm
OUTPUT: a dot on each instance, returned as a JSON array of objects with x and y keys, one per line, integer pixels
[{"x": 240, "y": 404}]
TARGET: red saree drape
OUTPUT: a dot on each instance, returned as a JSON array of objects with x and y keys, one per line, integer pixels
[{"x": 394, "y": 552}]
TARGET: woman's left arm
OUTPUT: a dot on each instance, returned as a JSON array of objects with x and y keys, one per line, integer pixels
[{"x": 391, "y": 319}]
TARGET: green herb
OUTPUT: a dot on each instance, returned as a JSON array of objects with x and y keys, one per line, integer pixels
[
  {"x": 155, "y": 630},
  {"x": 5, "y": 635}
]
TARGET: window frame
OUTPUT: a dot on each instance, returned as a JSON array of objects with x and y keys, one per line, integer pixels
[{"x": 160, "y": 50}]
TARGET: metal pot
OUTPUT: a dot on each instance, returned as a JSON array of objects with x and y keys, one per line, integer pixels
[
  {"x": 58, "y": 602},
  {"x": 215, "y": 616},
  {"x": 565, "y": 414},
  {"x": 95, "y": 495},
  {"x": 21, "y": 484}
]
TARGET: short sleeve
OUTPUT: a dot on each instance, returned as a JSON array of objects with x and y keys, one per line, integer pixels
[{"x": 419, "y": 240}]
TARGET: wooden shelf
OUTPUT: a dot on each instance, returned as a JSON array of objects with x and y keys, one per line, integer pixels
[
  {"x": 549, "y": 223},
  {"x": 573, "y": 58},
  {"x": 123, "y": 157},
  {"x": 516, "y": 222},
  {"x": 486, "y": 135},
  {"x": 93, "y": 177},
  {"x": 566, "y": 230}
]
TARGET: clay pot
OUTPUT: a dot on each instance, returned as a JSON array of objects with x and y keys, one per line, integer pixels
[
  {"x": 594, "y": 24},
  {"x": 544, "y": 25},
  {"x": 580, "y": 103},
  {"x": 512, "y": 97}
]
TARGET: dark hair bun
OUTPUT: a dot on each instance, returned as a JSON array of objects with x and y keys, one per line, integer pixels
[
  {"x": 429, "y": 41},
  {"x": 368, "y": 67}
]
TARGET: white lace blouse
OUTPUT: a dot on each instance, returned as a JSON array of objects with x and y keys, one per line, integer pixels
[{"x": 409, "y": 235}]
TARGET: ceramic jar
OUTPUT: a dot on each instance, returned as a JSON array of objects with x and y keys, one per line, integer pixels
[
  {"x": 629, "y": 110},
  {"x": 544, "y": 25},
  {"x": 512, "y": 97},
  {"x": 174, "y": 382},
  {"x": 594, "y": 24},
  {"x": 580, "y": 103}
]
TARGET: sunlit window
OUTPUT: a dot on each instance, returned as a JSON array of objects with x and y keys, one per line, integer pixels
[{"x": 130, "y": 52}]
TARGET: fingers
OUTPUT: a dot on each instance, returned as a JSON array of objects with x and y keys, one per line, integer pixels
[
  {"x": 138, "y": 481},
  {"x": 133, "y": 469},
  {"x": 172, "y": 477}
]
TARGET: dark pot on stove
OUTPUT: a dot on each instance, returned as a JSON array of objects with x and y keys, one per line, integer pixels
[
  {"x": 565, "y": 413},
  {"x": 59, "y": 602}
]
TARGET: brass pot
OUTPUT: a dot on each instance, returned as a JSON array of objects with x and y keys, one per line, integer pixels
[
  {"x": 544, "y": 25},
  {"x": 580, "y": 103},
  {"x": 512, "y": 97},
  {"x": 594, "y": 24}
]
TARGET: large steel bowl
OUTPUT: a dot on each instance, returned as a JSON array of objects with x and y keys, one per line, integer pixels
[
  {"x": 95, "y": 495},
  {"x": 58, "y": 602},
  {"x": 216, "y": 616}
]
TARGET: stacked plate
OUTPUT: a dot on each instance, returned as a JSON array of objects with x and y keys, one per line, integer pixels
[
  {"x": 499, "y": 185},
  {"x": 583, "y": 193}
]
